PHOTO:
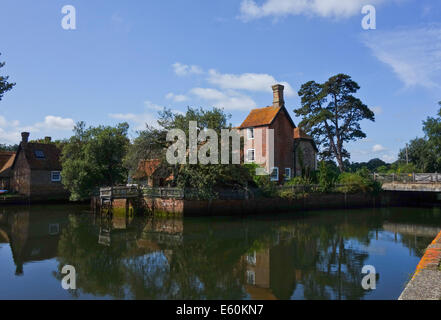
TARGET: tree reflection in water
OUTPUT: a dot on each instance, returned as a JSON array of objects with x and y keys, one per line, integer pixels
[{"x": 267, "y": 258}]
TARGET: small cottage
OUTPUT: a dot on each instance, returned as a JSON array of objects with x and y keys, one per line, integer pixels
[
  {"x": 295, "y": 152},
  {"x": 36, "y": 170}
]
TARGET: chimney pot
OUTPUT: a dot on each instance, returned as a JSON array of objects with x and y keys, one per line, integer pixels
[
  {"x": 24, "y": 137},
  {"x": 278, "y": 95}
]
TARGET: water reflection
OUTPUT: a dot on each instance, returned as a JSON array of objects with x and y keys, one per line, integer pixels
[{"x": 319, "y": 256}]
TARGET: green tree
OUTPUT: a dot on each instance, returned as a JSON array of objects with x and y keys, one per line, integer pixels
[
  {"x": 151, "y": 143},
  {"x": 332, "y": 114},
  {"x": 5, "y": 86},
  {"x": 432, "y": 130},
  {"x": 419, "y": 154},
  {"x": 93, "y": 157}
]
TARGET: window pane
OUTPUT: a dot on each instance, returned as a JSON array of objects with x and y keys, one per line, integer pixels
[
  {"x": 287, "y": 173},
  {"x": 275, "y": 174},
  {"x": 39, "y": 154},
  {"x": 250, "y": 155}
]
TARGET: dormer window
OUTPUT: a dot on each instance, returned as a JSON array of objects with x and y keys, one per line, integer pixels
[
  {"x": 39, "y": 154},
  {"x": 250, "y": 133}
]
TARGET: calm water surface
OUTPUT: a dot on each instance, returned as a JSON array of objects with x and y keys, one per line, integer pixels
[{"x": 315, "y": 255}]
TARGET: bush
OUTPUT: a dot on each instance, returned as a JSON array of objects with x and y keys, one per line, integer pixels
[
  {"x": 358, "y": 182},
  {"x": 327, "y": 177},
  {"x": 266, "y": 186},
  {"x": 299, "y": 181}
]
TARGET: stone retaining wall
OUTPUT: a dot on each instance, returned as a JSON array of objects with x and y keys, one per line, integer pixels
[
  {"x": 426, "y": 282},
  {"x": 313, "y": 201}
]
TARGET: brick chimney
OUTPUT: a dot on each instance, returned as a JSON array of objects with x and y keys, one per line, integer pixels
[
  {"x": 47, "y": 140},
  {"x": 24, "y": 138},
  {"x": 278, "y": 100}
]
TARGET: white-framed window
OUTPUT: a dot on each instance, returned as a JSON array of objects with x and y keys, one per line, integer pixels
[
  {"x": 55, "y": 176},
  {"x": 251, "y": 155},
  {"x": 275, "y": 174},
  {"x": 54, "y": 229},
  {"x": 251, "y": 258},
  {"x": 287, "y": 173},
  {"x": 250, "y": 133},
  {"x": 251, "y": 277}
]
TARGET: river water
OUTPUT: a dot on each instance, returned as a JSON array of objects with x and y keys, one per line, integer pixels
[{"x": 311, "y": 255}]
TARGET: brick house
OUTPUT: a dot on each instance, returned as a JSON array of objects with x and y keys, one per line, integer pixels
[
  {"x": 294, "y": 152},
  {"x": 153, "y": 174},
  {"x": 36, "y": 170}
]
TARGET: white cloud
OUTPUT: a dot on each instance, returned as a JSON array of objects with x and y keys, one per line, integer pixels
[
  {"x": 389, "y": 158},
  {"x": 228, "y": 92},
  {"x": 56, "y": 123},
  {"x": 152, "y": 106},
  {"x": 10, "y": 130},
  {"x": 413, "y": 54},
  {"x": 247, "y": 81},
  {"x": 229, "y": 100},
  {"x": 378, "y": 148},
  {"x": 176, "y": 97},
  {"x": 323, "y": 8},
  {"x": 183, "y": 69},
  {"x": 138, "y": 120}
]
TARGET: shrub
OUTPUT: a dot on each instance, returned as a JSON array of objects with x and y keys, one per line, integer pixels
[
  {"x": 327, "y": 177},
  {"x": 358, "y": 182}
]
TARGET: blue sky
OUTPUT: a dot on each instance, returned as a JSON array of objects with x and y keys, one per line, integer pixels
[{"x": 127, "y": 59}]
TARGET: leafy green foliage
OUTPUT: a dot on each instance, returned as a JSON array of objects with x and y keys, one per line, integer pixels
[
  {"x": 332, "y": 114},
  {"x": 5, "y": 86},
  {"x": 202, "y": 179},
  {"x": 361, "y": 181},
  {"x": 424, "y": 154},
  {"x": 327, "y": 176},
  {"x": 93, "y": 158}
]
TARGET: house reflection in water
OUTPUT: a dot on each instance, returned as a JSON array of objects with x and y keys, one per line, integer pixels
[
  {"x": 258, "y": 277},
  {"x": 270, "y": 273},
  {"x": 32, "y": 237}
]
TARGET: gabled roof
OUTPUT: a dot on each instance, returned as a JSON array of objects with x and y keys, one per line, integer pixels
[
  {"x": 51, "y": 160},
  {"x": 263, "y": 117}
]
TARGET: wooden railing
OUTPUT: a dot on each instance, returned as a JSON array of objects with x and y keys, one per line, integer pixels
[
  {"x": 408, "y": 178},
  {"x": 119, "y": 192},
  {"x": 176, "y": 193}
]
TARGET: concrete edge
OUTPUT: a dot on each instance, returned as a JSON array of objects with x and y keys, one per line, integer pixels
[{"x": 426, "y": 281}]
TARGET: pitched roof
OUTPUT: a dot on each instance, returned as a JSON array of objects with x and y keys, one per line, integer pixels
[
  {"x": 300, "y": 134},
  {"x": 49, "y": 161},
  {"x": 263, "y": 117},
  {"x": 260, "y": 117},
  {"x": 6, "y": 161},
  {"x": 4, "y": 157}
]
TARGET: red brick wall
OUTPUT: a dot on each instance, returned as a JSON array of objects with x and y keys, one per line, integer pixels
[
  {"x": 43, "y": 186},
  {"x": 283, "y": 144}
]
